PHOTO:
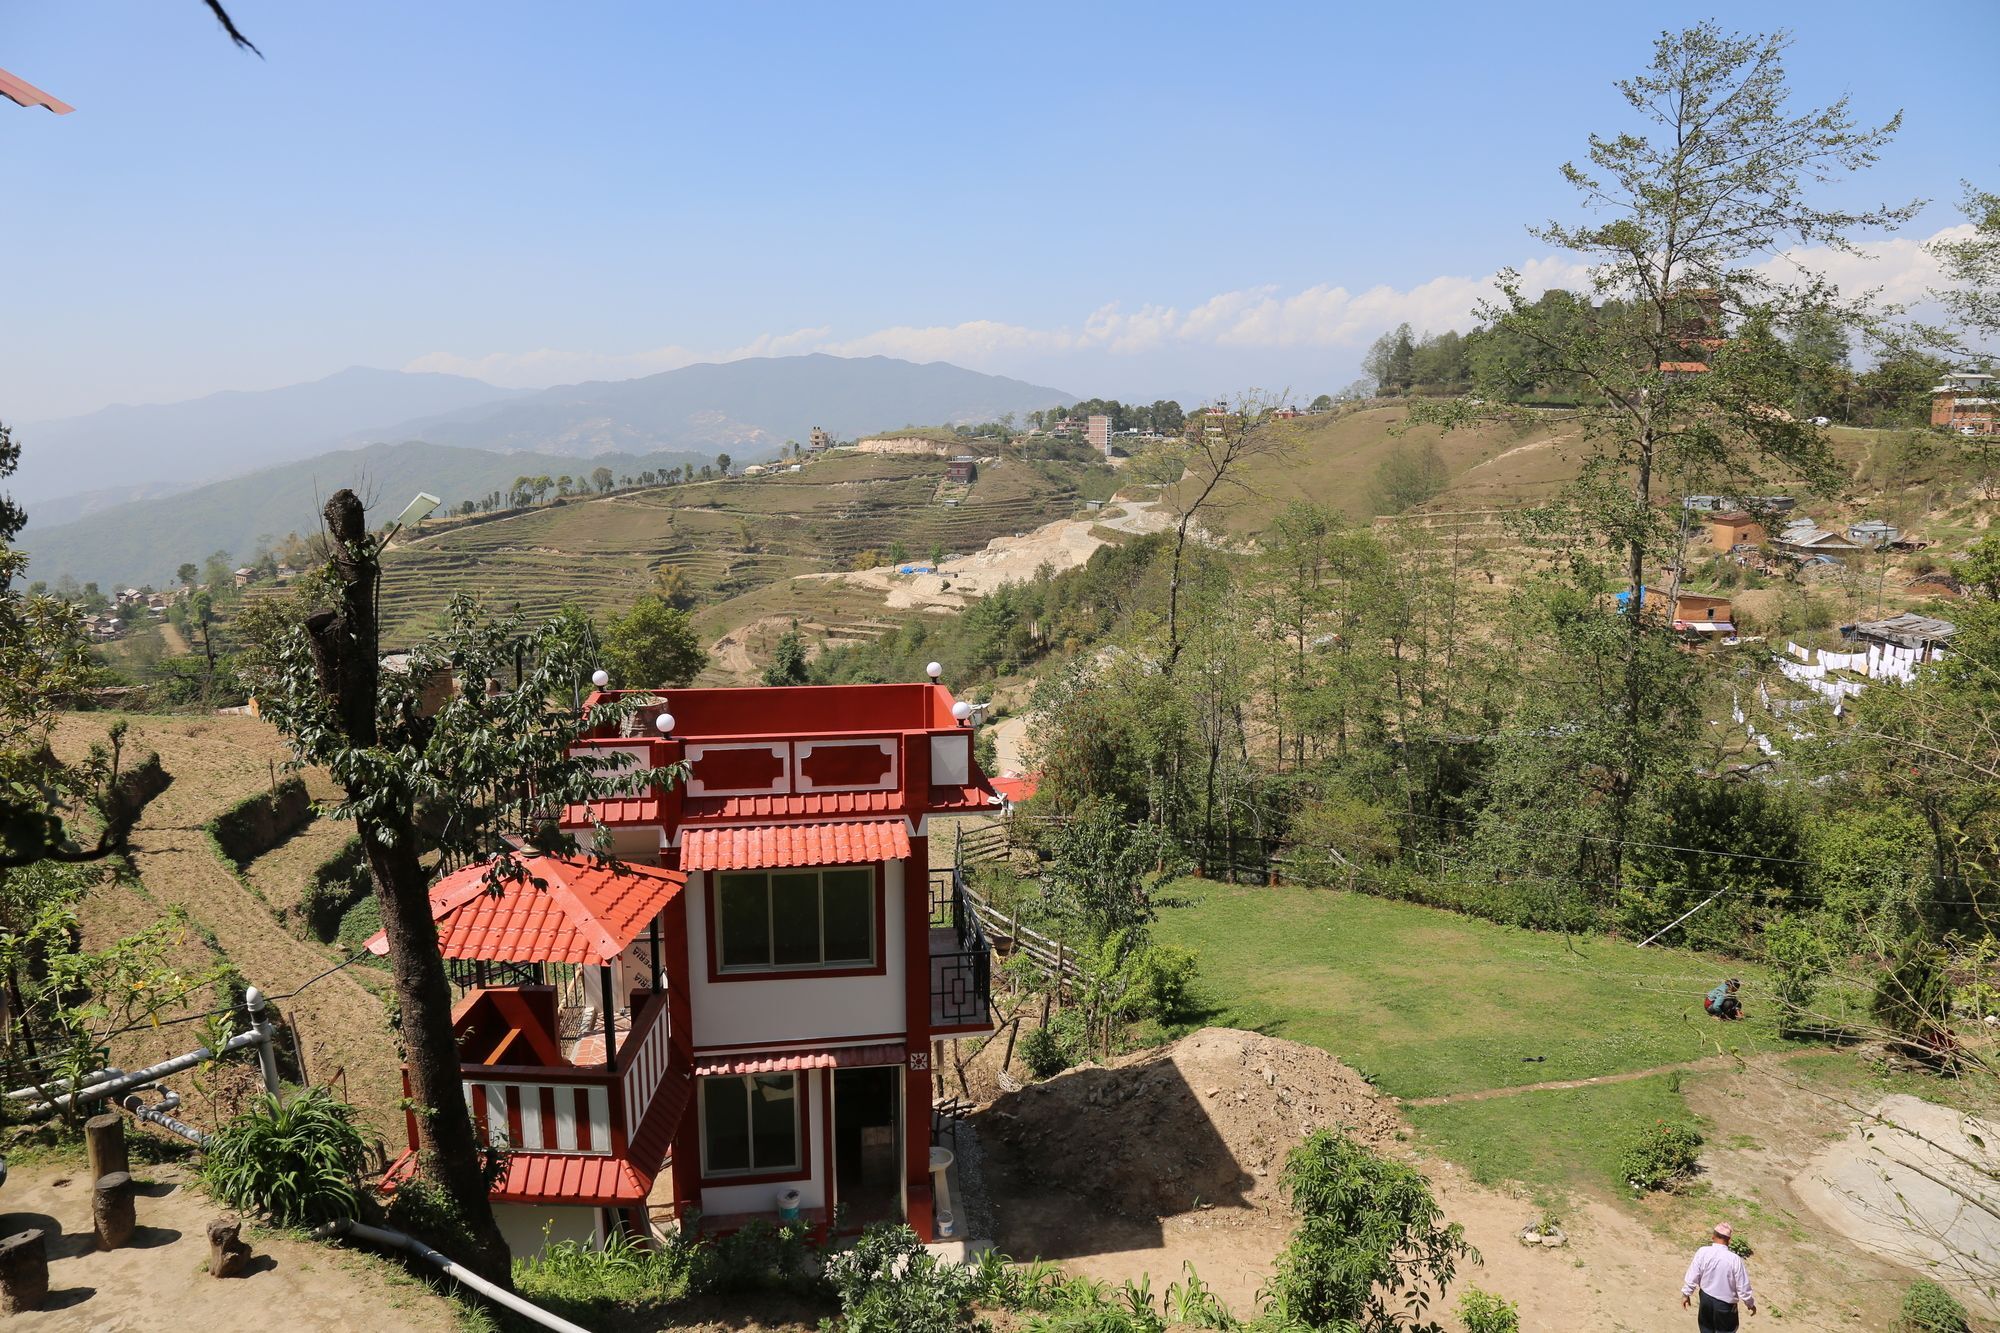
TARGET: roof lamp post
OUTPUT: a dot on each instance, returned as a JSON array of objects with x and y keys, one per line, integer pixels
[
  {"x": 665, "y": 722},
  {"x": 934, "y": 670},
  {"x": 963, "y": 712},
  {"x": 600, "y": 678}
]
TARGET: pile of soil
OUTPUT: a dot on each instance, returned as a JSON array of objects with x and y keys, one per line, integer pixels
[{"x": 1205, "y": 1121}]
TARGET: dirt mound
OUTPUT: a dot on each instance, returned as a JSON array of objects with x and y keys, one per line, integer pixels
[{"x": 1203, "y": 1121}]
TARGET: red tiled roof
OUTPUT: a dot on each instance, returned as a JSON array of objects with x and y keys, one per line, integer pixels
[
  {"x": 533, "y": 1177},
  {"x": 581, "y": 912},
  {"x": 613, "y": 813},
  {"x": 1018, "y": 789},
  {"x": 19, "y": 90},
  {"x": 778, "y": 1062},
  {"x": 805, "y": 805},
  {"x": 833, "y": 844}
]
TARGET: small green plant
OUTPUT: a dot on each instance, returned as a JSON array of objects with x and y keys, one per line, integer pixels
[
  {"x": 1483, "y": 1312},
  {"x": 1050, "y": 1049},
  {"x": 1929, "y": 1308},
  {"x": 296, "y": 1162},
  {"x": 888, "y": 1283},
  {"x": 1191, "y": 1303},
  {"x": 1660, "y": 1157}
]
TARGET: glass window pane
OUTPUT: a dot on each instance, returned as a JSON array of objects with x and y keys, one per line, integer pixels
[
  {"x": 746, "y": 921},
  {"x": 774, "y": 1121},
  {"x": 795, "y": 919},
  {"x": 725, "y": 1122},
  {"x": 850, "y": 915}
]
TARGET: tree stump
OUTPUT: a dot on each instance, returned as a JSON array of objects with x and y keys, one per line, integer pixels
[
  {"x": 104, "y": 1140},
  {"x": 228, "y": 1255},
  {"x": 114, "y": 1209},
  {"x": 24, "y": 1272}
]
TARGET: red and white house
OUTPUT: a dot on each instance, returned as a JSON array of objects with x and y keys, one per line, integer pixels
[{"x": 746, "y": 1006}]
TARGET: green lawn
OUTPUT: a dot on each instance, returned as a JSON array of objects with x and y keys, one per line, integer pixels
[
  {"x": 1428, "y": 1003},
  {"x": 1554, "y": 1140}
]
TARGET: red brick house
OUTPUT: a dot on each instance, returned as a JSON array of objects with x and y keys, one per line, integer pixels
[{"x": 739, "y": 1018}]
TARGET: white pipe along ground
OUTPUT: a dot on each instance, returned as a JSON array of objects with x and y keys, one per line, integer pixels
[{"x": 498, "y": 1295}]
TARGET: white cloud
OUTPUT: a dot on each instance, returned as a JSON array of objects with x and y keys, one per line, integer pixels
[{"x": 1326, "y": 317}]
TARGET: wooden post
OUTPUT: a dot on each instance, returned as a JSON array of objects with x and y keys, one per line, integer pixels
[
  {"x": 114, "y": 1209},
  {"x": 24, "y": 1272},
  {"x": 104, "y": 1142},
  {"x": 227, "y": 1254}
]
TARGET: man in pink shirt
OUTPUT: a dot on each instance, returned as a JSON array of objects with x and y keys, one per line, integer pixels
[{"x": 1722, "y": 1280}]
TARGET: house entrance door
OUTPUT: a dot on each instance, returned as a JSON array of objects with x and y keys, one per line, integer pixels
[{"x": 867, "y": 1148}]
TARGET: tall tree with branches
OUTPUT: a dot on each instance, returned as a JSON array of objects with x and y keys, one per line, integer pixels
[
  {"x": 482, "y": 775},
  {"x": 1680, "y": 365}
]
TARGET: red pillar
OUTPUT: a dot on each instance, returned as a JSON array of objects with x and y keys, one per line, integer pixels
[
  {"x": 686, "y": 1150},
  {"x": 917, "y": 1044}
]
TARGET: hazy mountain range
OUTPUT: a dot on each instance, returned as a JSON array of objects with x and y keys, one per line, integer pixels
[{"x": 190, "y": 478}]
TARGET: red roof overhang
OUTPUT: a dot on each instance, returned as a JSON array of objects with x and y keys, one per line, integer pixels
[
  {"x": 614, "y": 812},
  {"x": 543, "y": 1177},
  {"x": 848, "y": 842},
  {"x": 19, "y": 90},
  {"x": 778, "y": 1062},
  {"x": 570, "y": 911}
]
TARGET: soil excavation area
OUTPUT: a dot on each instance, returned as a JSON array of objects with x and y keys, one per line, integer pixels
[{"x": 1172, "y": 1157}]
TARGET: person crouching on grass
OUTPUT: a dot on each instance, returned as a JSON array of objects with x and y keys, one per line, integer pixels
[
  {"x": 1721, "y": 1279},
  {"x": 1722, "y": 1001}
]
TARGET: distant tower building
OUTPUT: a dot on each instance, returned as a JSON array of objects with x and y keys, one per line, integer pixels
[
  {"x": 820, "y": 441},
  {"x": 1099, "y": 435}
]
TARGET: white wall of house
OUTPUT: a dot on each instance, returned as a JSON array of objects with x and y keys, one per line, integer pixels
[
  {"x": 803, "y": 1010},
  {"x": 763, "y": 1198},
  {"x": 523, "y": 1225}
]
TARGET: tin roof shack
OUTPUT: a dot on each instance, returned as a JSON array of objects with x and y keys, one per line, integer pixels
[
  {"x": 1691, "y": 613},
  {"x": 1874, "y": 534},
  {"x": 1804, "y": 537},
  {"x": 1925, "y": 635},
  {"x": 1735, "y": 528}
]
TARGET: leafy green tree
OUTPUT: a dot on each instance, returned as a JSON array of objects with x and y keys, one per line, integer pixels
[
  {"x": 1800, "y": 960},
  {"x": 788, "y": 660},
  {"x": 1098, "y": 869},
  {"x": 1391, "y": 360},
  {"x": 654, "y": 645},
  {"x": 1972, "y": 266},
  {"x": 602, "y": 478},
  {"x": 722, "y": 462},
  {"x": 1372, "y": 1248},
  {"x": 672, "y": 586},
  {"x": 1323, "y": 403},
  {"x": 466, "y": 779},
  {"x": 187, "y": 573},
  {"x": 1412, "y": 474}
]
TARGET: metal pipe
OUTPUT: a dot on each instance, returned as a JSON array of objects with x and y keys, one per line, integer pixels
[
  {"x": 498, "y": 1295},
  {"x": 81, "y": 1081},
  {"x": 267, "y": 1052},
  {"x": 158, "y": 1116},
  {"x": 151, "y": 1074}
]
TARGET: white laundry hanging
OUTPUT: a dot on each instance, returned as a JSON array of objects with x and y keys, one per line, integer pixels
[{"x": 1797, "y": 651}]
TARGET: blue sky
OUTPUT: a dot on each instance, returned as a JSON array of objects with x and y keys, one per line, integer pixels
[{"x": 1135, "y": 200}]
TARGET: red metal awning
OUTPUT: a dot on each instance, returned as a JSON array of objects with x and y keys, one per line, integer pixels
[
  {"x": 19, "y": 90},
  {"x": 762, "y": 847},
  {"x": 571, "y": 911},
  {"x": 779, "y": 1062}
]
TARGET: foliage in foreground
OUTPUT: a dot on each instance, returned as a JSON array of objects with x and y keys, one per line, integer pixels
[
  {"x": 296, "y": 1162},
  {"x": 1483, "y": 1312},
  {"x": 1372, "y": 1246}
]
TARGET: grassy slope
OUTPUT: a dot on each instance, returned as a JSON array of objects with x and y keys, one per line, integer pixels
[
  {"x": 214, "y": 762},
  {"x": 600, "y": 554},
  {"x": 1427, "y": 1004}
]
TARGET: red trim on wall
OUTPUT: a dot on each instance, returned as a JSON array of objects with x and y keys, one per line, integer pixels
[
  {"x": 917, "y": 1014},
  {"x": 804, "y": 1083},
  {"x": 712, "y": 886},
  {"x": 826, "y": 1141}
]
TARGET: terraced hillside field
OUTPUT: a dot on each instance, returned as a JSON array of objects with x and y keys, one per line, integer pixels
[{"x": 730, "y": 537}]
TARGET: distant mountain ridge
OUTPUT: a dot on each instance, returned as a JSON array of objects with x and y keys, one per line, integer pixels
[
  {"x": 146, "y": 541},
  {"x": 179, "y": 445},
  {"x": 757, "y": 402}
]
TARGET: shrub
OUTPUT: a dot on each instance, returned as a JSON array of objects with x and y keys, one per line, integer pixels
[
  {"x": 1483, "y": 1312},
  {"x": 1660, "y": 1156},
  {"x": 1052, "y": 1048},
  {"x": 256, "y": 824},
  {"x": 1371, "y": 1241},
  {"x": 1913, "y": 994},
  {"x": 1166, "y": 980},
  {"x": 296, "y": 1162},
  {"x": 1798, "y": 955},
  {"x": 888, "y": 1283},
  {"x": 1929, "y": 1308},
  {"x": 334, "y": 886}
]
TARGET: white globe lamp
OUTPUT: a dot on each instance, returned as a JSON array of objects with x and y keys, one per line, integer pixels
[
  {"x": 600, "y": 678},
  {"x": 665, "y": 722},
  {"x": 961, "y": 710},
  {"x": 934, "y": 670}
]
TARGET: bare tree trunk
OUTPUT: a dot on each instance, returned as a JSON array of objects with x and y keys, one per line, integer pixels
[{"x": 347, "y": 653}]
